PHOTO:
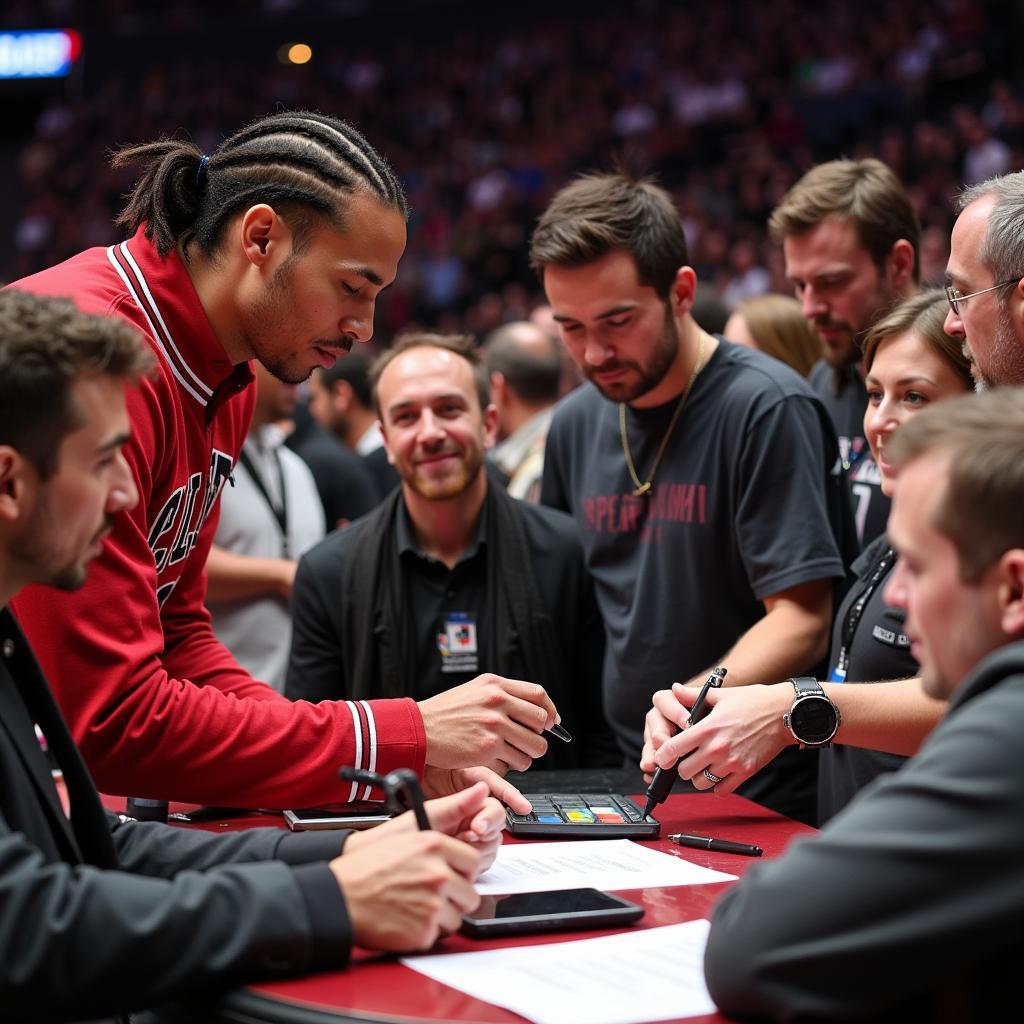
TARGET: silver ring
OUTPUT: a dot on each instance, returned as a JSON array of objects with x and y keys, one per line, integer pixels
[{"x": 711, "y": 776}]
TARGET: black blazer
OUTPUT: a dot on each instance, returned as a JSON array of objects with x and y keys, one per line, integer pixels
[{"x": 99, "y": 917}]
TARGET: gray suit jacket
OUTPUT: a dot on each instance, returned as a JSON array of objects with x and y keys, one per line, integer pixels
[
  {"x": 909, "y": 905},
  {"x": 99, "y": 917}
]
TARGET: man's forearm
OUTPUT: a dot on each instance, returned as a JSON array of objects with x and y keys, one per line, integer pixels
[
  {"x": 894, "y": 717},
  {"x": 786, "y": 642},
  {"x": 234, "y": 577}
]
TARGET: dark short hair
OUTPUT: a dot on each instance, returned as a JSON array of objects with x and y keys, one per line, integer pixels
[
  {"x": 980, "y": 508},
  {"x": 864, "y": 192},
  {"x": 601, "y": 213},
  {"x": 925, "y": 315},
  {"x": 534, "y": 376},
  {"x": 354, "y": 369},
  {"x": 462, "y": 345},
  {"x": 46, "y": 345},
  {"x": 299, "y": 162}
]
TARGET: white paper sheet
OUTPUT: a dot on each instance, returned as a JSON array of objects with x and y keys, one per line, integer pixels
[
  {"x": 647, "y": 975},
  {"x": 596, "y": 863}
]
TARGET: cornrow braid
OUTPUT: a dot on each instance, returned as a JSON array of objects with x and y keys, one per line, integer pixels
[{"x": 296, "y": 161}]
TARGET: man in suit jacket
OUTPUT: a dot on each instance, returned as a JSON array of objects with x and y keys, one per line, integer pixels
[{"x": 100, "y": 915}]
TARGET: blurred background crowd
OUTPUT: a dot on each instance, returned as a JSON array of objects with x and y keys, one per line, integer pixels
[{"x": 485, "y": 111}]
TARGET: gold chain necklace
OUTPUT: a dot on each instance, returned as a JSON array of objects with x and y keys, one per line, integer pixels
[{"x": 644, "y": 488}]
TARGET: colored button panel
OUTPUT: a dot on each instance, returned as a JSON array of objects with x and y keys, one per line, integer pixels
[{"x": 578, "y": 814}]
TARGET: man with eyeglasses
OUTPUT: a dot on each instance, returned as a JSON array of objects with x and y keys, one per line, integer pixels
[{"x": 986, "y": 289}]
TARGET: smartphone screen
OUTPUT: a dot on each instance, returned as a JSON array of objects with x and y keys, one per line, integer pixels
[
  {"x": 359, "y": 815},
  {"x": 563, "y": 909}
]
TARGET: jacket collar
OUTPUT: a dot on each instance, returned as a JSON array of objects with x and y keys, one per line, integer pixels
[
  {"x": 163, "y": 291},
  {"x": 993, "y": 669}
]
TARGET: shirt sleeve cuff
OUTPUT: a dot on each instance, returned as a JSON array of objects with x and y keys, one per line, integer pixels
[
  {"x": 297, "y": 848},
  {"x": 330, "y": 927}
]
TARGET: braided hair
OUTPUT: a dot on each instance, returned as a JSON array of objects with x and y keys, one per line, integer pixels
[{"x": 297, "y": 161}]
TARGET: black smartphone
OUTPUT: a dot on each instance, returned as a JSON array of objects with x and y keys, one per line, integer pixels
[
  {"x": 359, "y": 815},
  {"x": 561, "y": 910}
]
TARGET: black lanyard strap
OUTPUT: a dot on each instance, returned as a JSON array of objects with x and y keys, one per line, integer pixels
[
  {"x": 279, "y": 511},
  {"x": 856, "y": 612}
]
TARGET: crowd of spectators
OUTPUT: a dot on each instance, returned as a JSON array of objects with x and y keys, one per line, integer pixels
[{"x": 485, "y": 116}]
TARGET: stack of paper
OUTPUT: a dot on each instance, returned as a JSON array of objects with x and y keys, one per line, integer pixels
[
  {"x": 646, "y": 975},
  {"x": 607, "y": 864}
]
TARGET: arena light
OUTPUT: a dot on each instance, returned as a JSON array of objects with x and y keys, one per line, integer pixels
[
  {"x": 295, "y": 53},
  {"x": 43, "y": 54}
]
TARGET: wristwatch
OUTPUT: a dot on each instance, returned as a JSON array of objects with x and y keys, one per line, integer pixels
[{"x": 813, "y": 719}]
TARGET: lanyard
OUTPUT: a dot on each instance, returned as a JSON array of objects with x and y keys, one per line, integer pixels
[
  {"x": 280, "y": 512},
  {"x": 853, "y": 616}
]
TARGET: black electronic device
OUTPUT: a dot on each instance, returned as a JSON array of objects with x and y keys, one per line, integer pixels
[
  {"x": 359, "y": 815},
  {"x": 561, "y": 910},
  {"x": 814, "y": 717},
  {"x": 582, "y": 816}
]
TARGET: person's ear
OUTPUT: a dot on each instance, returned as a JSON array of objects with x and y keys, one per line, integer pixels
[
  {"x": 498, "y": 385},
  {"x": 342, "y": 394},
  {"x": 15, "y": 471},
  {"x": 900, "y": 265},
  {"x": 262, "y": 234},
  {"x": 490, "y": 423},
  {"x": 683, "y": 291},
  {"x": 1011, "y": 592}
]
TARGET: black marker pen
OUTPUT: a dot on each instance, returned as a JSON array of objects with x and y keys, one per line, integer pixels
[
  {"x": 716, "y": 845},
  {"x": 664, "y": 778}
]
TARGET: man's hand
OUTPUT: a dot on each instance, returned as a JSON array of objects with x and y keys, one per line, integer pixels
[
  {"x": 469, "y": 815},
  {"x": 667, "y": 716},
  {"x": 404, "y": 892},
  {"x": 445, "y": 781},
  {"x": 488, "y": 721},
  {"x": 741, "y": 734}
]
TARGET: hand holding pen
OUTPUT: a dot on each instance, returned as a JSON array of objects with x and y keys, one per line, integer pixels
[
  {"x": 469, "y": 815},
  {"x": 401, "y": 790},
  {"x": 664, "y": 778}
]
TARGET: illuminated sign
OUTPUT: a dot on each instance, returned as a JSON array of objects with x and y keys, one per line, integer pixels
[{"x": 38, "y": 54}]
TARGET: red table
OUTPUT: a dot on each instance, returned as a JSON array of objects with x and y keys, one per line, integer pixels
[{"x": 378, "y": 988}]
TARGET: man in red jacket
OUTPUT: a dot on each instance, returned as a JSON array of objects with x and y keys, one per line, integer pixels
[{"x": 274, "y": 247}]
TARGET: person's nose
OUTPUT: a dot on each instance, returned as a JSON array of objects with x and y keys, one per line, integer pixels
[
  {"x": 430, "y": 428},
  {"x": 124, "y": 494},
  {"x": 812, "y": 304},
  {"x": 596, "y": 352},
  {"x": 881, "y": 418},
  {"x": 953, "y": 325},
  {"x": 358, "y": 325},
  {"x": 895, "y": 593}
]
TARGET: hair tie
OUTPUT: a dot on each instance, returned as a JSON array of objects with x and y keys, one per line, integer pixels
[{"x": 202, "y": 166}]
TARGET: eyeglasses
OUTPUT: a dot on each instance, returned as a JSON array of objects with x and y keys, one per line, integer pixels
[{"x": 955, "y": 298}]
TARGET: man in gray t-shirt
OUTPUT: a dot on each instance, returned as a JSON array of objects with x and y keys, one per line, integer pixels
[{"x": 700, "y": 473}]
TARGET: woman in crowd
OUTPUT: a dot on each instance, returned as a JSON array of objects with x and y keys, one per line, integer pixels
[
  {"x": 775, "y": 325},
  {"x": 909, "y": 362}
]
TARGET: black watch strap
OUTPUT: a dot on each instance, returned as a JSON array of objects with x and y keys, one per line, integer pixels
[{"x": 805, "y": 686}]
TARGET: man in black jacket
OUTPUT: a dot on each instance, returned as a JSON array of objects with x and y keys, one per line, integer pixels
[
  {"x": 100, "y": 915},
  {"x": 908, "y": 905},
  {"x": 450, "y": 577}
]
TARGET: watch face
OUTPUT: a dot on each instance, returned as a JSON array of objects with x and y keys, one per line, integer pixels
[{"x": 813, "y": 719}]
